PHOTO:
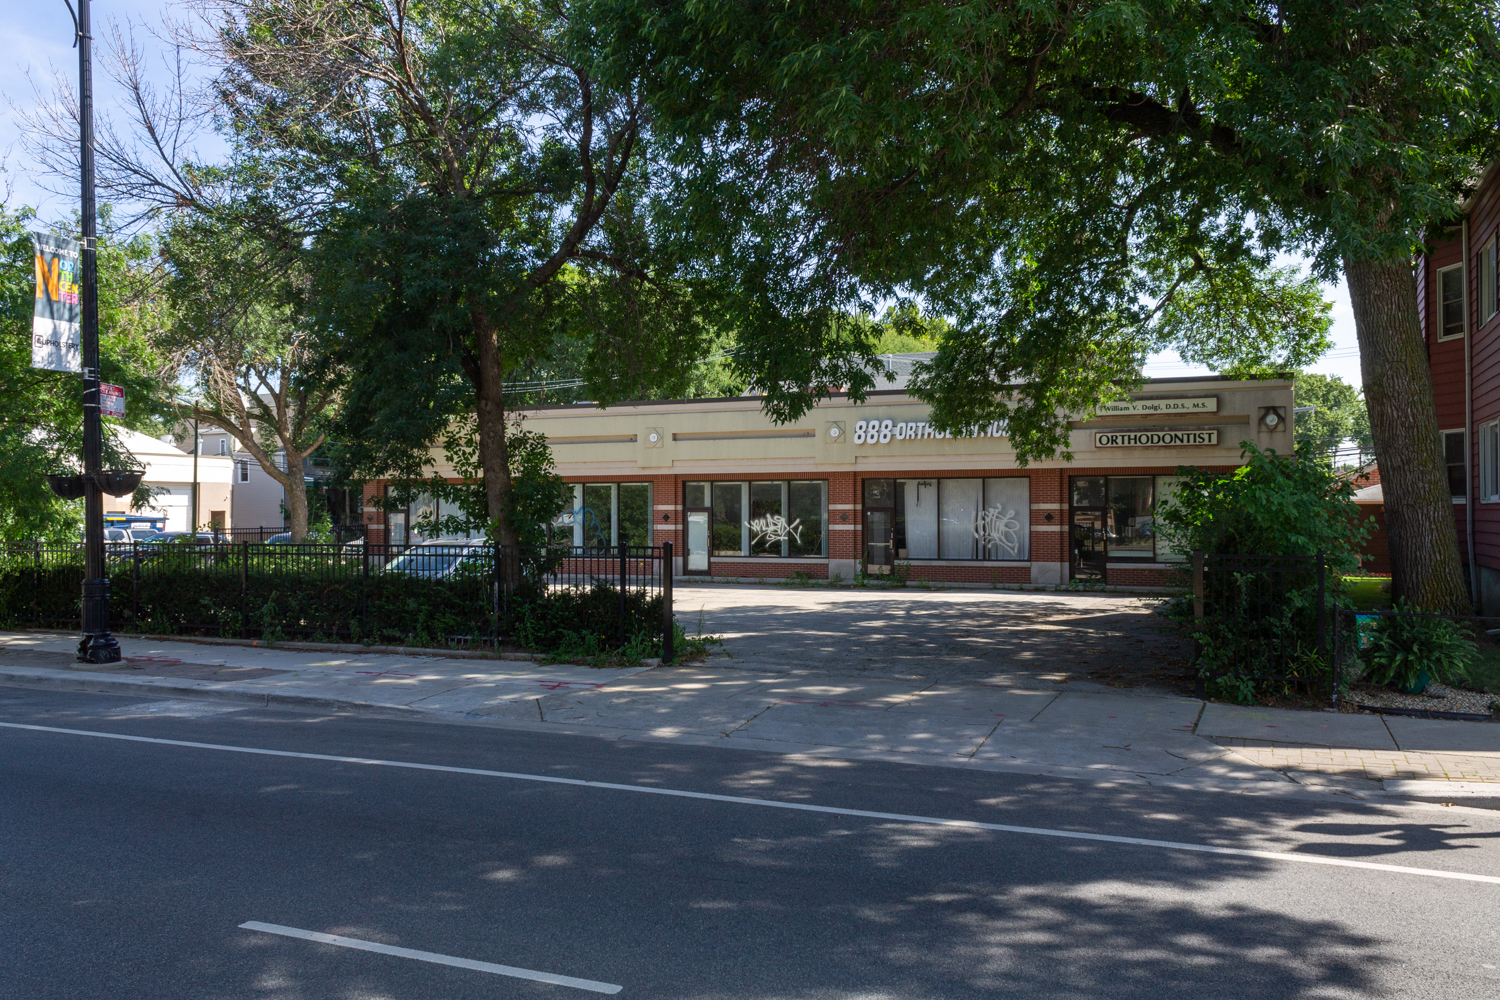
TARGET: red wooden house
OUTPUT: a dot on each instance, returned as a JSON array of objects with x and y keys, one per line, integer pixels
[{"x": 1456, "y": 287}]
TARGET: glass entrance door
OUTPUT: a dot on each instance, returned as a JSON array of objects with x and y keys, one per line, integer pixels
[
  {"x": 880, "y": 525},
  {"x": 879, "y": 552},
  {"x": 1087, "y": 526},
  {"x": 697, "y": 542},
  {"x": 1088, "y": 544}
]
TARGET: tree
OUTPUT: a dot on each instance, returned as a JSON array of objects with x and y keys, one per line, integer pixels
[
  {"x": 473, "y": 193},
  {"x": 41, "y": 421},
  {"x": 1339, "y": 415},
  {"x": 237, "y": 335},
  {"x": 1053, "y": 172}
]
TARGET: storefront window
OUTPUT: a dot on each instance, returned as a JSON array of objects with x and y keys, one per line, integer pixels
[
  {"x": 1113, "y": 519},
  {"x": 919, "y": 521},
  {"x": 424, "y": 517},
  {"x": 1004, "y": 530},
  {"x": 958, "y": 512},
  {"x": 634, "y": 508},
  {"x": 1129, "y": 526},
  {"x": 1169, "y": 547},
  {"x": 597, "y": 516},
  {"x": 605, "y": 514},
  {"x": 729, "y": 519},
  {"x": 770, "y": 519},
  {"x": 805, "y": 504},
  {"x": 768, "y": 524},
  {"x": 986, "y": 519}
]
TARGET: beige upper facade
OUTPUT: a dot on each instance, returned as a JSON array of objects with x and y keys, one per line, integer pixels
[{"x": 1167, "y": 422}]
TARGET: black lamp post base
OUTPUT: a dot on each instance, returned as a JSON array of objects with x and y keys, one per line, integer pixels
[{"x": 99, "y": 648}]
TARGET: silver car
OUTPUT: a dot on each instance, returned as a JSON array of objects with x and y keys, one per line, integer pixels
[{"x": 438, "y": 559}]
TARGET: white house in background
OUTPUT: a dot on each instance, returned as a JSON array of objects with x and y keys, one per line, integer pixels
[
  {"x": 258, "y": 499},
  {"x": 169, "y": 469}
]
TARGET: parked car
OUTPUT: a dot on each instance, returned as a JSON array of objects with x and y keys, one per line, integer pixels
[{"x": 440, "y": 558}]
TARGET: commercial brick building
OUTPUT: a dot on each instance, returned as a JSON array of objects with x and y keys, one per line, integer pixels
[{"x": 871, "y": 488}]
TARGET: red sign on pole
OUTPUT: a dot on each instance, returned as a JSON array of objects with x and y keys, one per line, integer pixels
[{"x": 111, "y": 400}]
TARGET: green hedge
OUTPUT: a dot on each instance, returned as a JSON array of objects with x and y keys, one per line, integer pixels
[{"x": 331, "y": 599}]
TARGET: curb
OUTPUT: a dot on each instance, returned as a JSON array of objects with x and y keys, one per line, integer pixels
[
  {"x": 344, "y": 647},
  {"x": 109, "y": 684},
  {"x": 1442, "y": 789}
]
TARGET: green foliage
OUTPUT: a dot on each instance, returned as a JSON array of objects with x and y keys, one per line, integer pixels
[
  {"x": 1272, "y": 505},
  {"x": 538, "y": 493},
  {"x": 1247, "y": 321},
  {"x": 190, "y": 589},
  {"x": 1073, "y": 184},
  {"x": 1397, "y": 649},
  {"x": 41, "y": 421},
  {"x": 1259, "y": 637},
  {"x": 1340, "y": 415},
  {"x": 1259, "y": 633}
]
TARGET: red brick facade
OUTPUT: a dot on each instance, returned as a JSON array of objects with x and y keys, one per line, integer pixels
[{"x": 1048, "y": 540}]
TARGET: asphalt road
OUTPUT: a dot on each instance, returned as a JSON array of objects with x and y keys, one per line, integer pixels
[{"x": 127, "y": 868}]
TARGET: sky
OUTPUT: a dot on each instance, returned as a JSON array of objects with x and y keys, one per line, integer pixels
[{"x": 38, "y": 37}]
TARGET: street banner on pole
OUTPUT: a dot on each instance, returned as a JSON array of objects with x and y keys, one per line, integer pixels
[
  {"x": 111, "y": 400},
  {"x": 55, "y": 322}
]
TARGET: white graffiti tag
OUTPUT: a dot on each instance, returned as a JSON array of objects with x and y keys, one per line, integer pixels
[
  {"x": 774, "y": 528},
  {"x": 1000, "y": 528}
]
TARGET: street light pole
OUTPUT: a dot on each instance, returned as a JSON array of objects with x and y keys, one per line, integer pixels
[{"x": 97, "y": 645}]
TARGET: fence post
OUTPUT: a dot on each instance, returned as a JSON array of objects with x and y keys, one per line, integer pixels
[
  {"x": 668, "y": 633},
  {"x": 36, "y": 581},
  {"x": 1322, "y": 619},
  {"x": 622, "y": 593},
  {"x": 135, "y": 585},
  {"x": 244, "y": 590},
  {"x": 364, "y": 588},
  {"x": 1198, "y": 686},
  {"x": 500, "y": 597}
]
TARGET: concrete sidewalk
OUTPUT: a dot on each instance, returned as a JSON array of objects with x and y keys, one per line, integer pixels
[{"x": 1067, "y": 729}]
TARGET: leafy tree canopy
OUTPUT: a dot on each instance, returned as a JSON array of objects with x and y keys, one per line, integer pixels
[
  {"x": 41, "y": 416},
  {"x": 1339, "y": 416}
]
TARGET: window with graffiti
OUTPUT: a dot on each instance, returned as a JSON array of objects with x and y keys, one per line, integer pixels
[
  {"x": 605, "y": 514},
  {"x": 972, "y": 518},
  {"x": 768, "y": 519}
]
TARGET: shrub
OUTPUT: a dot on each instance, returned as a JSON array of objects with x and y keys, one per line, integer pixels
[
  {"x": 1263, "y": 626},
  {"x": 1399, "y": 648},
  {"x": 1272, "y": 505}
]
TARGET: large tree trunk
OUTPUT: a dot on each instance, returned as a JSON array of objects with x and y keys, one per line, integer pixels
[
  {"x": 494, "y": 454},
  {"x": 1425, "y": 565},
  {"x": 296, "y": 499}
]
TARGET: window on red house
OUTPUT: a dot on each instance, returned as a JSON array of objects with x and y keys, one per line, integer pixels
[{"x": 1451, "y": 306}]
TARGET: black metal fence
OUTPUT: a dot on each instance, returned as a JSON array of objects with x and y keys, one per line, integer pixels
[
  {"x": 465, "y": 594},
  {"x": 1261, "y": 625}
]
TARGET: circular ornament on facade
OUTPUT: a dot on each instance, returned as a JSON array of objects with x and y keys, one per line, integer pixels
[
  {"x": 654, "y": 437},
  {"x": 833, "y": 432}
]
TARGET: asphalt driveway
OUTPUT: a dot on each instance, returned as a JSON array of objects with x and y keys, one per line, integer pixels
[{"x": 999, "y": 637}]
